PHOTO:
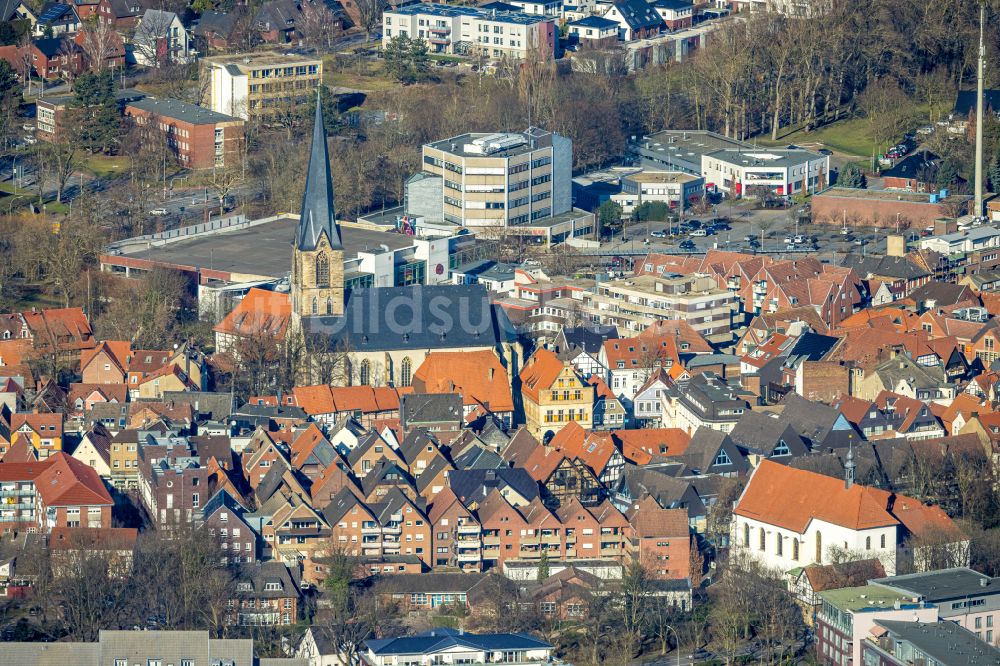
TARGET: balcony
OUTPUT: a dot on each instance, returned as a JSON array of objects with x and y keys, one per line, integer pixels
[
  {"x": 491, "y": 540},
  {"x": 371, "y": 530},
  {"x": 439, "y": 40},
  {"x": 440, "y": 30},
  {"x": 469, "y": 529},
  {"x": 468, "y": 557},
  {"x": 392, "y": 529},
  {"x": 467, "y": 541}
]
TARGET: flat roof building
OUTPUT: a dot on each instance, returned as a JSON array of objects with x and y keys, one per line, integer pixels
[
  {"x": 900, "y": 643},
  {"x": 473, "y": 30},
  {"x": 198, "y": 137},
  {"x": 258, "y": 84},
  {"x": 680, "y": 150}
]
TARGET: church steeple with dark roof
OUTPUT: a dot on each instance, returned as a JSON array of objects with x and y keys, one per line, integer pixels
[
  {"x": 318, "y": 256},
  {"x": 317, "y": 214}
]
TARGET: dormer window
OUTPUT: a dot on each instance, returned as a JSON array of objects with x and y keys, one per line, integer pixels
[{"x": 272, "y": 587}]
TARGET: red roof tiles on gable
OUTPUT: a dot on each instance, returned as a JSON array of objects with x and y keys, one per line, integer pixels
[
  {"x": 478, "y": 376},
  {"x": 260, "y": 312},
  {"x": 69, "y": 482}
]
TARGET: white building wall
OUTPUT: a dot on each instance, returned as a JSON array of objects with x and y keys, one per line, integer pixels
[{"x": 833, "y": 537}]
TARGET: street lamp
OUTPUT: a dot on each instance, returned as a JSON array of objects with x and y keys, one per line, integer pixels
[{"x": 678, "y": 639}]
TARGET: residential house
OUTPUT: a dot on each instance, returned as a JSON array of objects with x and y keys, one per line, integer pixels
[
  {"x": 71, "y": 494},
  {"x": 43, "y": 431},
  {"x": 94, "y": 450},
  {"x": 704, "y": 400},
  {"x": 661, "y": 539},
  {"x": 713, "y": 452},
  {"x": 56, "y": 57},
  {"x": 266, "y": 595},
  {"x": 763, "y": 436},
  {"x": 455, "y": 532},
  {"x": 123, "y": 14},
  {"x": 554, "y": 394},
  {"x": 117, "y": 544},
  {"x": 807, "y": 582},
  {"x": 19, "y": 505},
  {"x": 647, "y": 405},
  {"x": 609, "y": 412},
  {"x": 224, "y": 518},
  {"x": 906, "y": 377},
  {"x": 438, "y": 413},
  {"x": 160, "y": 38},
  {"x": 215, "y": 30},
  {"x": 636, "y": 19},
  {"x": 55, "y": 19},
  {"x": 581, "y": 346}
]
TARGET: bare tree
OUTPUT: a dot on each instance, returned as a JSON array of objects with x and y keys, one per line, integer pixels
[
  {"x": 100, "y": 43},
  {"x": 370, "y": 15},
  {"x": 319, "y": 27}
]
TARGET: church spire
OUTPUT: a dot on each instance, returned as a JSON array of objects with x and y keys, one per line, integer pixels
[{"x": 317, "y": 215}]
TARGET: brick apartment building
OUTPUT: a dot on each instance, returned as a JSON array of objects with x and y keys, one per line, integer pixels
[
  {"x": 199, "y": 138},
  {"x": 59, "y": 492}
]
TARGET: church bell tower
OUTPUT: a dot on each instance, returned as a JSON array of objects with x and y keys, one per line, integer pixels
[{"x": 318, "y": 257}]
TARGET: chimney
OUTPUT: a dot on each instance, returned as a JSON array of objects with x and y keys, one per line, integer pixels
[{"x": 490, "y": 373}]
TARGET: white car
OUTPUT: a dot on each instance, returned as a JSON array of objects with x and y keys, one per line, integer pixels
[
  {"x": 698, "y": 232},
  {"x": 30, "y": 140},
  {"x": 159, "y": 212},
  {"x": 788, "y": 240},
  {"x": 799, "y": 240}
]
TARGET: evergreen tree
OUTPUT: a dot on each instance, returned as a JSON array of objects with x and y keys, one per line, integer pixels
[
  {"x": 853, "y": 176},
  {"x": 396, "y": 54},
  {"x": 420, "y": 61},
  {"x": 96, "y": 117},
  {"x": 543, "y": 566},
  {"x": 608, "y": 215},
  {"x": 993, "y": 173}
]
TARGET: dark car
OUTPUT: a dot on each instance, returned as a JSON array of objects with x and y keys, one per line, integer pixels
[
  {"x": 825, "y": 151},
  {"x": 687, "y": 245}
]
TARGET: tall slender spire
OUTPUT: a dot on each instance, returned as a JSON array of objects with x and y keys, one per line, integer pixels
[{"x": 317, "y": 215}]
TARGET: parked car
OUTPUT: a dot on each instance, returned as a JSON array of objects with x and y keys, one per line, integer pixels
[
  {"x": 159, "y": 212},
  {"x": 861, "y": 241},
  {"x": 799, "y": 240},
  {"x": 659, "y": 234},
  {"x": 825, "y": 151},
  {"x": 789, "y": 240},
  {"x": 699, "y": 232},
  {"x": 687, "y": 244}
]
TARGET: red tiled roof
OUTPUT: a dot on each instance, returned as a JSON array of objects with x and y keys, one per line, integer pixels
[
  {"x": 539, "y": 373},
  {"x": 790, "y": 498},
  {"x": 649, "y": 520},
  {"x": 22, "y": 471},
  {"x": 260, "y": 312},
  {"x": 478, "y": 376},
  {"x": 639, "y": 445},
  {"x": 98, "y": 538},
  {"x": 66, "y": 481}
]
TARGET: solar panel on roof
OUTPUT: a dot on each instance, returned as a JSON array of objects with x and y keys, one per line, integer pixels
[{"x": 52, "y": 13}]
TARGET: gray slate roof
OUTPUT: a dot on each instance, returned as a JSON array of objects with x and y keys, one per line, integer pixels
[
  {"x": 437, "y": 316},
  {"x": 317, "y": 215}
]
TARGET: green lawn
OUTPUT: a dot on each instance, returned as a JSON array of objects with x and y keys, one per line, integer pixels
[
  {"x": 101, "y": 166},
  {"x": 366, "y": 75},
  {"x": 849, "y": 137}
]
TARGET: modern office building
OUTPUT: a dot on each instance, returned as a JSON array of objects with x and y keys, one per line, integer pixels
[
  {"x": 258, "y": 84},
  {"x": 743, "y": 172},
  {"x": 674, "y": 188},
  {"x": 500, "y": 180}
]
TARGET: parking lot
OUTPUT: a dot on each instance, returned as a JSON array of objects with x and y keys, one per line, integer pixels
[{"x": 770, "y": 231}]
